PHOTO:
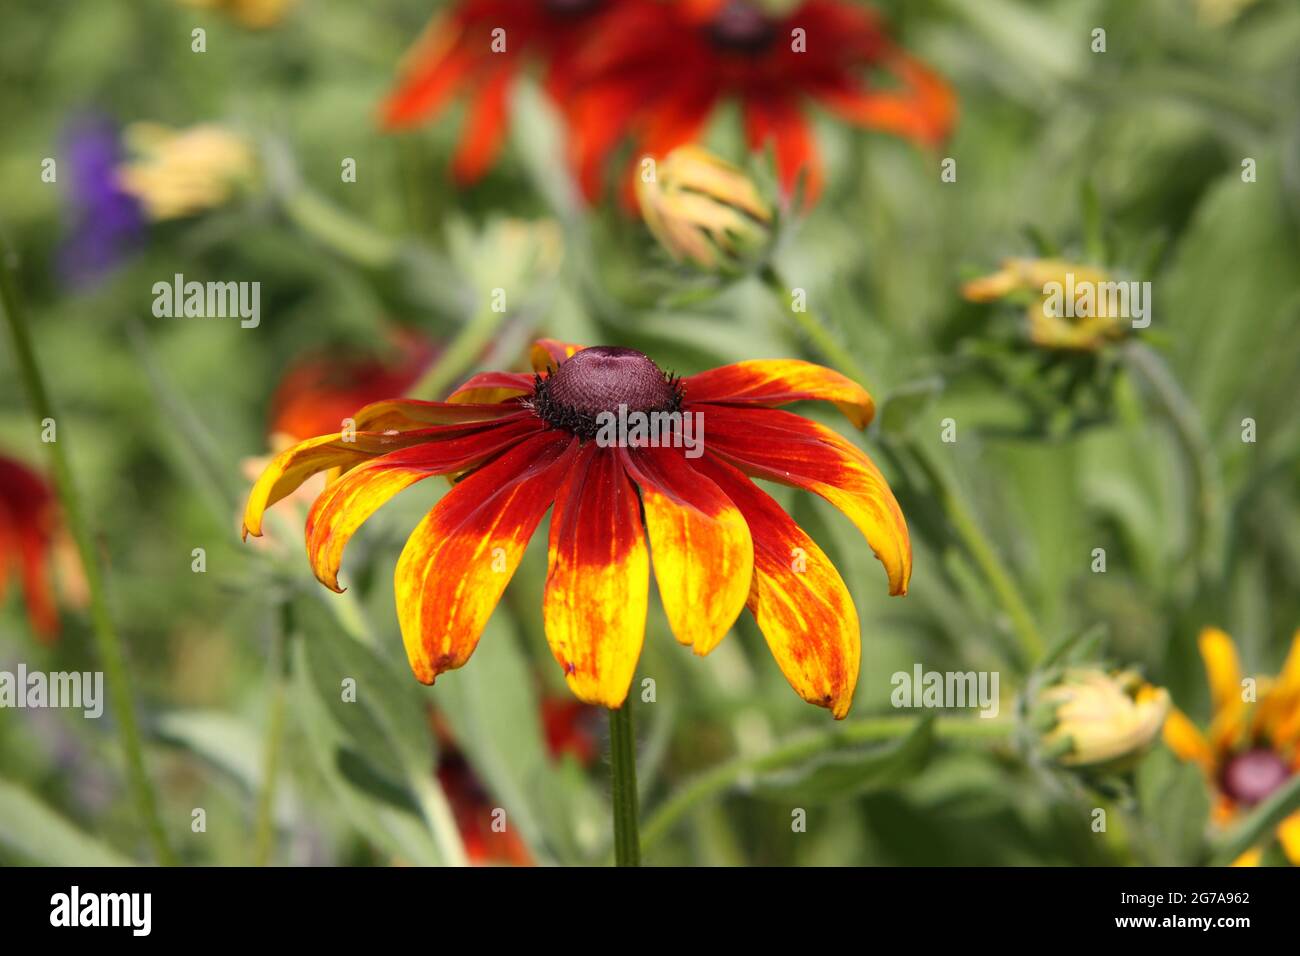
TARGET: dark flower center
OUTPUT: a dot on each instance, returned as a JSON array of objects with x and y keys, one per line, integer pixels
[
  {"x": 598, "y": 380},
  {"x": 741, "y": 27},
  {"x": 1252, "y": 776},
  {"x": 570, "y": 8}
]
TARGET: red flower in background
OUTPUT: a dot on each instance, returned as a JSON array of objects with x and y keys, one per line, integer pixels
[
  {"x": 569, "y": 730},
  {"x": 318, "y": 392},
  {"x": 27, "y": 533},
  {"x": 479, "y": 47},
  {"x": 660, "y": 69}
]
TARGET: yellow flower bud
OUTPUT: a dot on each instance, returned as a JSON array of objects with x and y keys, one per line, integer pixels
[
  {"x": 704, "y": 210},
  {"x": 1102, "y": 720},
  {"x": 1053, "y": 323},
  {"x": 178, "y": 173}
]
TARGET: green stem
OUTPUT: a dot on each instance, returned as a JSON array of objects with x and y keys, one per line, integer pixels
[
  {"x": 622, "y": 758},
  {"x": 106, "y": 638},
  {"x": 337, "y": 230},
  {"x": 474, "y": 337},
  {"x": 264, "y": 839},
  {"x": 1180, "y": 413},
  {"x": 723, "y": 777},
  {"x": 950, "y": 495},
  {"x": 1262, "y": 821},
  {"x": 960, "y": 514},
  {"x": 817, "y": 332}
]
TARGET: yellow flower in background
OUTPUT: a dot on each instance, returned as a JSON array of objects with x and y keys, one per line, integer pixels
[
  {"x": 254, "y": 14},
  {"x": 1252, "y": 746},
  {"x": 703, "y": 210},
  {"x": 177, "y": 173},
  {"x": 1103, "y": 719},
  {"x": 1218, "y": 13},
  {"x": 1054, "y": 323}
]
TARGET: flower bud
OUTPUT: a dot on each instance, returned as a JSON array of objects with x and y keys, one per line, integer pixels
[
  {"x": 1054, "y": 322},
  {"x": 704, "y": 211},
  {"x": 1102, "y": 720}
]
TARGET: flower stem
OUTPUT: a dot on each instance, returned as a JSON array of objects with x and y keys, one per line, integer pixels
[
  {"x": 264, "y": 834},
  {"x": 467, "y": 347},
  {"x": 810, "y": 325},
  {"x": 106, "y": 638},
  {"x": 622, "y": 758},
  {"x": 867, "y": 730},
  {"x": 338, "y": 230},
  {"x": 981, "y": 550}
]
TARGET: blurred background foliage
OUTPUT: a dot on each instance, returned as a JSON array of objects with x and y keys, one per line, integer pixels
[{"x": 1130, "y": 160}]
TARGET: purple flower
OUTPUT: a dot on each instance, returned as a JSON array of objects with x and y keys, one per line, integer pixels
[{"x": 104, "y": 222}]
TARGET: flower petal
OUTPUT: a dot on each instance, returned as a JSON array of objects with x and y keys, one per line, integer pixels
[
  {"x": 1288, "y": 833},
  {"x": 346, "y": 504},
  {"x": 598, "y": 583},
  {"x": 703, "y": 555},
  {"x": 493, "y": 388},
  {"x": 459, "y": 559},
  {"x": 404, "y": 414},
  {"x": 797, "y": 597},
  {"x": 293, "y": 466},
  {"x": 481, "y": 141},
  {"x": 1185, "y": 739},
  {"x": 1223, "y": 670},
  {"x": 548, "y": 353},
  {"x": 776, "y": 445},
  {"x": 771, "y": 382},
  {"x": 435, "y": 66}
]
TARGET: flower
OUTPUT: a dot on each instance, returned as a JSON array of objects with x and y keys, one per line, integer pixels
[
  {"x": 520, "y": 443},
  {"x": 318, "y": 392},
  {"x": 481, "y": 45},
  {"x": 704, "y": 210},
  {"x": 568, "y": 730},
  {"x": 1050, "y": 282},
  {"x": 177, "y": 173},
  {"x": 253, "y": 14},
  {"x": 1103, "y": 720},
  {"x": 28, "y": 523},
  {"x": 657, "y": 71},
  {"x": 104, "y": 220},
  {"x": 1252, "y": 747}
]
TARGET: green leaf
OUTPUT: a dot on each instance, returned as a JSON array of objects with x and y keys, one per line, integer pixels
[
  {"x": 35, "y": 832},
  {"x": 837, "y": 774},
  {"x": 1175, "y": 807}
]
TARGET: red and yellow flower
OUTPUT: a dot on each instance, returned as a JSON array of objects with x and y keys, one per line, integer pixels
[
  {"x": 1252, "y": 746},
  {"x": 28, "y": 523},
  {"x": 481, "y": 46},
  {"x": 520, "y": 443},
  {"x": 660, "y": 69}
]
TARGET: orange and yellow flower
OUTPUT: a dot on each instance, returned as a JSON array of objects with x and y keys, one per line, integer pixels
[
  {"x": 520, "y": 443},
  {"x": 1252, "y": 746}
]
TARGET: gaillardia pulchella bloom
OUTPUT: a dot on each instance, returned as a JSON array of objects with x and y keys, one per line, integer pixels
[
  {"x": 519, "y": 443},
  {"x": 1252, "y": 746}
]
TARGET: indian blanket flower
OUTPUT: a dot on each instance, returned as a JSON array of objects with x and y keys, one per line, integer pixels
[
  {"x": 178, "y": 173},
  {"x": 657, "y": 71},
  {"x": 105, "y": 222},
  {"x": 1068, "y": 307},
  {"x": 28, "y": 533},
  {"x": 1252, "y": 745},
  {"x": 704, "y": 210},
  {"x": 519, "y": 443},
  {"x": 1102, "y": 720},
  {"x": 480, "y": 46}
]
